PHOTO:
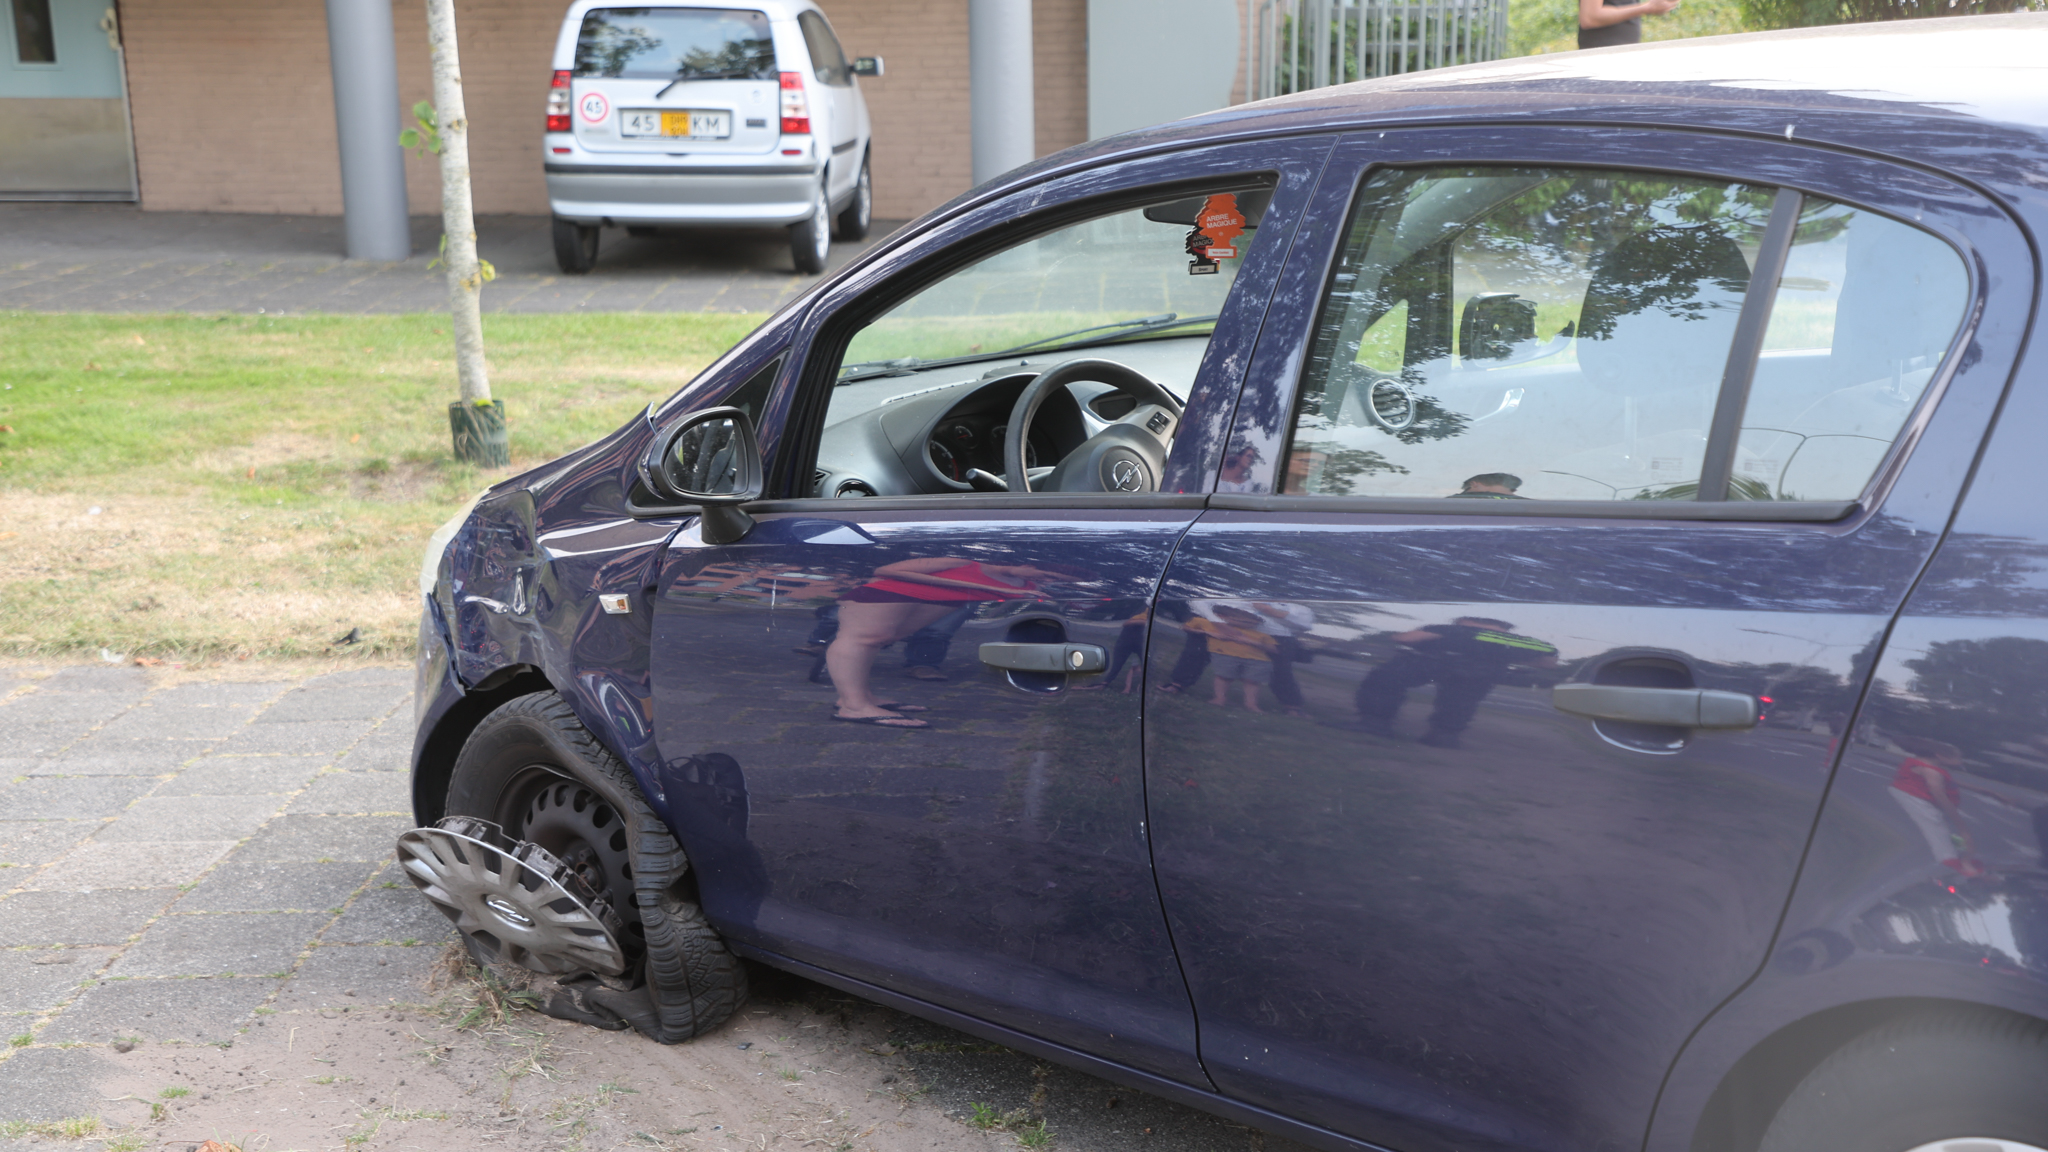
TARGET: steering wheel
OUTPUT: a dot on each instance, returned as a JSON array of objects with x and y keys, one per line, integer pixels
[{"x": 1127, "y": 456}]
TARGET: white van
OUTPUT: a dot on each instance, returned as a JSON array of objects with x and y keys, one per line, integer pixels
[{"x": 669, "y": 114}]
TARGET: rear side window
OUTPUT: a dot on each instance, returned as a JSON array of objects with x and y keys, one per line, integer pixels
[
  {"x": 675, "y": 43},
  {"x": 1563, "y": 334},
  {"x": 827, "y": 59}
]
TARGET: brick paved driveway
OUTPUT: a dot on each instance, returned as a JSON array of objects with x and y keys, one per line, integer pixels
[{"x": 174, "y": 858}]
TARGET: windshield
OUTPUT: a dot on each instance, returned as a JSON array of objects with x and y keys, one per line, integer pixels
[
  {"x": 667, "y": 43},
  {"x": 1162, "y": 270}
]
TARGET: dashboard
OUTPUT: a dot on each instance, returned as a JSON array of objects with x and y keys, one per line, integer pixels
[{"x": 921, "y": 433}]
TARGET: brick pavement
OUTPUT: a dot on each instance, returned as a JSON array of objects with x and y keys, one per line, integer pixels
[
  {"x": 177, "y": 858},
  {"x": 114, "y": 258}
]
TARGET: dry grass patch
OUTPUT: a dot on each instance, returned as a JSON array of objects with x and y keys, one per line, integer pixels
[{"x": 263, "y": 485}]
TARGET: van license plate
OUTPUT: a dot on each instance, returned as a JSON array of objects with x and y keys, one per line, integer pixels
[{"x": 696, "y": 124}]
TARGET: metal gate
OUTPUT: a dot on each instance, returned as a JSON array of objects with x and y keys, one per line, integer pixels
[{"x": 1301, "y": 44}]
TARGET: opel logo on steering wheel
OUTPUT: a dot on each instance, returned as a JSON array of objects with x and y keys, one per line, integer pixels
[{"x": 1126, "y": 476}]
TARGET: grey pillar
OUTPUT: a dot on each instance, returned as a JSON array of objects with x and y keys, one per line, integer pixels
[
  {"x": 359, "y": 42},
  {"x": 999, "y": 81}
]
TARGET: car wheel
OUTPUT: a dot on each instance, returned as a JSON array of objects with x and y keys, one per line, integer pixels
[
  {"x": 1948, "y": 1082},
  {"x": 535, "y": 771},
  {"x": 575, "y": 246},
  {"x": 860, "y": 214},
  {"x": 810, "y": 239}
]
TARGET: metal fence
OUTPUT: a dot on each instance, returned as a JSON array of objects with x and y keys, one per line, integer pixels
[{"x": 1301, "y": 44}]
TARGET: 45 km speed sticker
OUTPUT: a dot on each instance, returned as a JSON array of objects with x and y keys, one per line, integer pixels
[{"x": 594, "y": 107}]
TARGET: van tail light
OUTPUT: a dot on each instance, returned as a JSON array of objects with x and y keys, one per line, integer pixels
[
  {"x": 558, "y": 103},
  {"x": 796, "y": 109}
]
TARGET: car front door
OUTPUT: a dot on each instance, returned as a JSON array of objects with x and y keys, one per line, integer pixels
[
  {"x": 865, "y": 788},
  {"x": 1572, "y": 502}
]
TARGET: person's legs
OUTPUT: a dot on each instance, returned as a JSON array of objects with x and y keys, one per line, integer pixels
[
  {"x": 1221, "y": 697},
  {"x": 1253, "y": 674},
  {"x": 1385, "y": 688},
  {"x": 864, "y": 628},
  {"x": 927, "y": 646},
  {"x": 1194, "y": 656},
  {"x": 1457, "y": 701},
  {"x": 1285, "y": 690}
]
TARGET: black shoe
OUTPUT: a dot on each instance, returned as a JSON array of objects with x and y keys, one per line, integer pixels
[{"x": 1437, "y": 739}]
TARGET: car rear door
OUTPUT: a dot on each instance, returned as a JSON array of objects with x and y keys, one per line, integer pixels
[
  {"x": 986, "y": 853},
  {"x": 1510, "y": 826}
]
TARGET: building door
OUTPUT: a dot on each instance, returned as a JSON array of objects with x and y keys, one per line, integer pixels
[
  {"x": 64, "y": 132},
  {"x": 1637, "y": 427}
]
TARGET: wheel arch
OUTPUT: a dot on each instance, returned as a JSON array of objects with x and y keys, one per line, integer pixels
[
  {"x": 1757, "y": 1085},
  {"x": 440, "y": 745}
]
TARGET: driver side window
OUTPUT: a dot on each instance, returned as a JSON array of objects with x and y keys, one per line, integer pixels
[{"x": 928, "y": 390}]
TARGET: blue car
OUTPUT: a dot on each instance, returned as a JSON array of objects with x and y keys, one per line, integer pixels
[{"x": 1501, "y": 608}]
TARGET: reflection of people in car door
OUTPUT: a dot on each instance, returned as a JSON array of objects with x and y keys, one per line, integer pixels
[
  {"x": 904, "y": 597},
  {"x": 1238, "y": 651},
  {"x": 1464, "y": 659},
  {"x": 1924, "y": 789}
]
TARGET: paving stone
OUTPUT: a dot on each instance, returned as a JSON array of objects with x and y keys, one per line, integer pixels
[
  {"x": 376, "y": 974},
  {"x": 300, "y": 737},
  {"x": 387, "y": 916},
  {"x": 355, "y": 793},
  {"x": 326, "y": 838},
  {"x": 269, "y": 886},
  {"x": 163, "y": 716},
  {"x": 204, "y": 1011},
  {"x": 314, "y": 701},
  {"x": 99, "y": 679},
  {"x": 400, "y": 678},
  {"x": 102, "y": 755},
  {"x": 243, "y": 775},
  {"x": 245, "y": 944},
  {"x": 71, "y": 797},
  {"x": 244, "y": 698},
  {"x": 33, "y": 843},
  {"x": 34, "y": 739},
  {"x": 109, "y": 917},
  {"x": 53, "y": 1084},
  {"x": 82, "y": 709},
  {"x": 192, "y": 818},
  {"x": 92, "y": 867},
  {"x": 39, "y": 980},
  {"x": 382, "y": 752}
]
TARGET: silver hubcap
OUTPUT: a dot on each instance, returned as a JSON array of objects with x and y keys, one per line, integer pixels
[
  {"x": 518, "y": 902},
  {"x": 821, "y": 226},
  {"x": 1975, "y": 1144}
]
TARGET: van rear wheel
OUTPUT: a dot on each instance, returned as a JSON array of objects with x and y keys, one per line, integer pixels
[
  {"x": 810, "y": 239},
  {"x": 575, "y": 246},
  {"x": 860, "y": 211}
]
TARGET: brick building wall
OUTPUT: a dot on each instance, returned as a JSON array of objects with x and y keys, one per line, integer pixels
[{"x": 234, "y": 100}]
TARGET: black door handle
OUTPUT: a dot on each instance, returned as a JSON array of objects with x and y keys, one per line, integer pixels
[
  {"x": 1676, "y": 707},
  {"x": 1045, "y": 657}
]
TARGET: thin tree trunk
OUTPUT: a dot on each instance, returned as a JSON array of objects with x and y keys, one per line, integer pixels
[{"x": 458, "y": 221}]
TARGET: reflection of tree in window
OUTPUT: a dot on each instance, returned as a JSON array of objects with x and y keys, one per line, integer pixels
[{"x": 605, "y": 49}]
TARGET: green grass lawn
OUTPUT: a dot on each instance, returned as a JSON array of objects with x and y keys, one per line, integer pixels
[
  {"x": 196, "y": 487},
  {"x": 1537, "y": 26}
]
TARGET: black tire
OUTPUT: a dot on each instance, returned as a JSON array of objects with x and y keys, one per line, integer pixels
[
  {"x": 575, "y": 246},
  {"x": 534, "y": 744},
  {"x": 859, "y": 215},
  {"x": 810, "y": 239},
  {"x": 1921, "y": 1080}
]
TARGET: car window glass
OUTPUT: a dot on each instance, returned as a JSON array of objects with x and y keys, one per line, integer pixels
[
  {"x": 33, "y": 41},
  {"x": 667, "y": 43},
  {"x": 1525, "y": 333},
  {"x": 827, "y": 60},
  {"x": 1518, "y": 333},
  {"x": 1142, "y": 286},
  {"x": 1862, "y": 318}
]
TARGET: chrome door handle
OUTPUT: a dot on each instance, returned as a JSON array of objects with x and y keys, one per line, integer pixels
[
  {"x": 1677, "y": 707},
  {"x": 1045, "y": 657}
]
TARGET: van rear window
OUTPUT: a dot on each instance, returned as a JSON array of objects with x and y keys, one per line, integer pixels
[{"x": 676, "y": 43}]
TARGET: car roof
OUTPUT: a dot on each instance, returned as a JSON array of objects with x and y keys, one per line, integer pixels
[
  {"x": 774, "y": 9},
  {"x": 1965, "y": 95}
]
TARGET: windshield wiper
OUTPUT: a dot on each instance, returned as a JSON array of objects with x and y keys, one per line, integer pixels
[{"x": 722, "y": 74}]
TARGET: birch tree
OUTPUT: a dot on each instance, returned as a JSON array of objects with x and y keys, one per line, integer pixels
[{"x": 477, "y": 422}]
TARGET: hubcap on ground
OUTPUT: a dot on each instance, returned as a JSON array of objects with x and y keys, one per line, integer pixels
[{"x": 518, "y": 902}]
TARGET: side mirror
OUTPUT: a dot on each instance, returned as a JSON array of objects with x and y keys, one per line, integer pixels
[
  {"x": 1495, "y": 326},
  {"x": 867, "y": 66},
  {"x": 711, "y": 459}
]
